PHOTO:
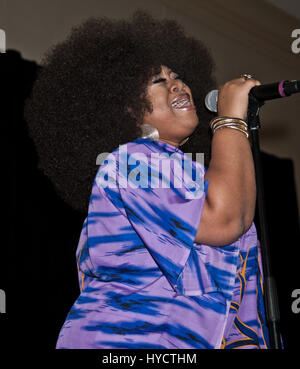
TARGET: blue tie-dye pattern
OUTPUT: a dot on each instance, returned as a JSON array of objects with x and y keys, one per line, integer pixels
[
  {"x": 182, "y": 237},
  {"x": 142, "y": 328},
  {"x": 103, "y": 214},
  {"x": 86, "y": 300},
  {"x": 128, "y": 249},
  {"x": 76, "y": 314},
  {"x": 124, "y": 237},
  {"x": 221, "y": 278},
  {"x": 169, "y": 269},
  {"x": 146, "y": 284},
  {"x": 127, "y": 345},
  {"x": 149, "y": 305}
]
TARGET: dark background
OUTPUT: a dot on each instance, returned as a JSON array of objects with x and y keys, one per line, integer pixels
[{"x": 40, "y": 232}]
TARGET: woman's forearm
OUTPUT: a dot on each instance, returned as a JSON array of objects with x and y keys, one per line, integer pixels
[{"x": 232, "y": 189}]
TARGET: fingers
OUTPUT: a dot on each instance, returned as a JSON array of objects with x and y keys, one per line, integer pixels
[
  {"x": 233, "y": 97},
  {"x": 242, "y": 83},
  {"x": 249, "y": 81},
  {"x": 254, "y": 82}
]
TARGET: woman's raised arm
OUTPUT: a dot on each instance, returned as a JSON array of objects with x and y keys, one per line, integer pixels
[{"x": 230, "y": 203}]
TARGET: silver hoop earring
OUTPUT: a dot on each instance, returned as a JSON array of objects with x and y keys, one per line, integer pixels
[
  {"x": 149, "y": 131},
  {"x": 184, "y": 141}
]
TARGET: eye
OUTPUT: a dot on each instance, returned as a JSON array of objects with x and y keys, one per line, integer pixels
[{"x": 158, "y": 80}]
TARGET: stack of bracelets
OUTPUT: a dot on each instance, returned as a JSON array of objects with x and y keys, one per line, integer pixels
[{"x": 227, "y": 122}]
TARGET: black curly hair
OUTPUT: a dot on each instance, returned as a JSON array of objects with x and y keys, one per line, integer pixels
[{"x": 90, "y": 94}]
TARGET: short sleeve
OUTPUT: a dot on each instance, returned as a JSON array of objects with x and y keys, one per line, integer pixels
[{"x": 164, "y": 211}]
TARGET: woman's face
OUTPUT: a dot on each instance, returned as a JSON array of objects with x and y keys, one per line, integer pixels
[{"x": 174, "y": 113}]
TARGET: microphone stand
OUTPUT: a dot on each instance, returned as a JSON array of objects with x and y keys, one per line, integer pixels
[{"x": 270, "y": 291}]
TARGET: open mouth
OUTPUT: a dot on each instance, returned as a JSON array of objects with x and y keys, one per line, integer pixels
[{"x": 182, "y": 101}]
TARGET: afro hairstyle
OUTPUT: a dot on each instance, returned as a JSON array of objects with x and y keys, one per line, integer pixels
[{"x": 90, "y": 93}]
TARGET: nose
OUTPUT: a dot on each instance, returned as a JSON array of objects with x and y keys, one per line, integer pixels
[{"x": 177, "y": 86}]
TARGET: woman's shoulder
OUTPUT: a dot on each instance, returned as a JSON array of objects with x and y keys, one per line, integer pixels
[
  {"x": 146, "y": 146},
  {"x": 141, "y": 148}
]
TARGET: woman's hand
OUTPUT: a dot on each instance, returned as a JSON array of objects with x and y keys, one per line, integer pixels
[{"x": 233, "y": 97}]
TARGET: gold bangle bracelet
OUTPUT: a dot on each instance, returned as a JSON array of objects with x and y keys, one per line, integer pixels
[
  {"x": 230, "y": 123},
  {"x": 225, "y": 117},
  {"x": 227, "y": 120},
  {"x": 233, "y": 127}
]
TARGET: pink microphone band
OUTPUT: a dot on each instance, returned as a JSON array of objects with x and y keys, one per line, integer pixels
[{"x": 281, "y": 90}]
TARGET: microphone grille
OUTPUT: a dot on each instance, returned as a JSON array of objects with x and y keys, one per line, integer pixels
[{"x": 211, "y": 101}]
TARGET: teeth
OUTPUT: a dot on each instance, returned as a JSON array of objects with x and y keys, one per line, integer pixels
[{"x": 180, "y": 103}]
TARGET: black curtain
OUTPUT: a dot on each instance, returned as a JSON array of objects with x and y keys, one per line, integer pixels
[
  {"x": 283, "y": 225},
  {"x": 41, "y": 278}
]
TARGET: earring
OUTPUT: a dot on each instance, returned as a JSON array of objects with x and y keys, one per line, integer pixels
[
  {"x": 184, "y": 141},
  {"x": 148, "y": 131}
]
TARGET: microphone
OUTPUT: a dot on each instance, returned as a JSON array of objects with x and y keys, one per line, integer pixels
[{"x": 261, "y": 93}]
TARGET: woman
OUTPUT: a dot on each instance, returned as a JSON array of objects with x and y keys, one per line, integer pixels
[{"x": 160, "y": 265}]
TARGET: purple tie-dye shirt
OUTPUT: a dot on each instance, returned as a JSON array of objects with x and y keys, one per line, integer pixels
[{"x": 145, "y": 283}]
